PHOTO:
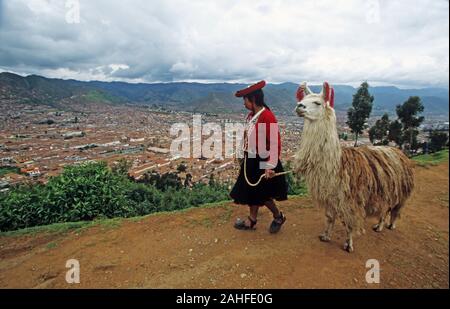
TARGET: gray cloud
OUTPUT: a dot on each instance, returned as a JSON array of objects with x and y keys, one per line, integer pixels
[{"x": 384, "y": 42}]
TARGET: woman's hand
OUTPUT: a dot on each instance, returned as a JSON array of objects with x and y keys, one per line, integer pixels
[{"x": 269, "y": 173}]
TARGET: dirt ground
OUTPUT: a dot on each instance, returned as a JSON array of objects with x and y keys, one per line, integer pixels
[{"x": 199, "y": 248}]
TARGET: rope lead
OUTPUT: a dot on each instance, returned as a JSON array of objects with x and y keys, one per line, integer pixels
[{"x": 262, "y": 176}]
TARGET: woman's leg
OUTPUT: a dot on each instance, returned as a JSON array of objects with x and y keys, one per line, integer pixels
[
  {"x": 278, "y": 217},
  {"x": 273, "y": 208},
  {"x": 250, "y": 222},
  {"x": 254, "y": 212}
]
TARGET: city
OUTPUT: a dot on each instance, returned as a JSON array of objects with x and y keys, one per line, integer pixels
[{"x": 36, "y": 142}]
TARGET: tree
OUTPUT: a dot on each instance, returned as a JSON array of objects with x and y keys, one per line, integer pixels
[
  {"x": 438, "y": 140},
  {"x": 182, "y": 168},
  {"x": 408, "y": 116},
  {"x": 411, "y": 136},
  {"x": 395, "y": 133},
  {"x": 170, "y": 180},
  {"x": 343, "y": 136},
  {"x": 162, "y": 182},
  {"x": 188, "y": 181},
  {"x": 360, "y": 110},
  {"x": 212, "y": 181},
  {"x": 378, "y": 134}
]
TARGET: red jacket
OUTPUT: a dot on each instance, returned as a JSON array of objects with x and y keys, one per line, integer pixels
[{"x": 267, "y": 118}]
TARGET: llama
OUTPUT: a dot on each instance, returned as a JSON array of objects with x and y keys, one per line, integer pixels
[{"x": 349, "y": 183}]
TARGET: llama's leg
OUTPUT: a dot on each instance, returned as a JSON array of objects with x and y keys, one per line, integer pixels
[
  {"x": 395, "y": 213},
  {"x": 379, "y": 226},
  {"x": 348, "y": 246},
  {"x": 331, "y": 218}
]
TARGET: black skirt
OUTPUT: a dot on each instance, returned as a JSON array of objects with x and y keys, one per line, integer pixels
[{"x": 274, "y": 188}]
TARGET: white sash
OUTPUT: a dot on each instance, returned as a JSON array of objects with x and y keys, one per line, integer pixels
[{"x": 250, "y": 127}]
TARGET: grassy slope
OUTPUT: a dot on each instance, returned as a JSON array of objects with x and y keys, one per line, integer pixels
[
  {"x": 59, "y": 228},
  {"x": 432, "y": 159},
  {"x": 422, "y": 160}
]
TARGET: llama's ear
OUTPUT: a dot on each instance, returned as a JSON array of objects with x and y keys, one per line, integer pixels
[
  {"x": 307, "y": 90},
  {"x": 332, "y": 98},
  {"x": 325, "y": 92},
  {"x": 303, "y": 91}
]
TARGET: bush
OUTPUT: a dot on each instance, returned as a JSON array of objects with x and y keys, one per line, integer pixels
[
  {"x": 295, "y": 186},
  {"x": 90, "y": 191},
  {"x": 203, "y": 194},
  {"x": 23, "y": 207},
  {"x": 80, "y": 193},
  {"x": 162, "y": 182}
]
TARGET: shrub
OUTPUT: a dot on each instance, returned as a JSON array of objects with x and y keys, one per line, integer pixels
[
  {"x": 295, "y": 186},
  {"x": 90, "y": 191}
]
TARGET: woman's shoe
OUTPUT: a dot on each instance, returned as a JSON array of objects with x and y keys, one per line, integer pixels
[
  {"x": 241, "y": 225},
  {"x": 277, "y": 223}
]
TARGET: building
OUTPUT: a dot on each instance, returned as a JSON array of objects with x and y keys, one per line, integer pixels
[{"x": 70, "y": 135}]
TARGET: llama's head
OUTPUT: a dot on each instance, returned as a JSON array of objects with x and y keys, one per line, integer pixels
[{"x": 314, "y": 106}]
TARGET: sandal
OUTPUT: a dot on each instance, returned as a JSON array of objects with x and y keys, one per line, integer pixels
[
  {"x": 240, "y": 224},
  {"x": 277, "y": 223}
]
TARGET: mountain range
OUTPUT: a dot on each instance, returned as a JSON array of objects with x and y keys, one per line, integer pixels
[{"x": 198, "y": 97}]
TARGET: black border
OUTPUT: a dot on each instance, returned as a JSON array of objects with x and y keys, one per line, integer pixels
[{"x": 362, "y": 299}]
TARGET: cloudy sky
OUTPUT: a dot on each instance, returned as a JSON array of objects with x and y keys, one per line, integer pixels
[{"x": 402, "y": 43}]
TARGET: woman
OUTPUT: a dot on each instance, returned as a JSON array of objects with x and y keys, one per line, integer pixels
[{"x": 253, "y": 165}]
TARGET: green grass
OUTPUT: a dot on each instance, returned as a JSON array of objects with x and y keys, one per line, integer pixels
[
  {"x": 61, "y": 228},
  {"x": 56, "y": 228},
  {"x": 101, "y": 97},
  {"x": 107, "y": 224},
  {"x": 51, "y": 245},
  {"x": 432, "y": 159}
]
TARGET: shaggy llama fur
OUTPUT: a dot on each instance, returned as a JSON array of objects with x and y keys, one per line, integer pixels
[{"x": 349, "y": 183}]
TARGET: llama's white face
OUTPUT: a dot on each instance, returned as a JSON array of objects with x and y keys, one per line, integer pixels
[
  {"x": 314, "y": 106},
  {"x": 311, "y": 107}
]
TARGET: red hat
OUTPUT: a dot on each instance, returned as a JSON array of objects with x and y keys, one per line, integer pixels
[{"x": 250, "y": 89}]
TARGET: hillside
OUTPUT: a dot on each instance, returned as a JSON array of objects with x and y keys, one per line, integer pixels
[
  {"x": 38, "y": 90},
  {"x": 212, "y": 98},
  {"x": 199, "y": 248}
]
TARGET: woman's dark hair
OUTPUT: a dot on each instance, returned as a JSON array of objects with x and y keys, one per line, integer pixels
[{"x": 257, "y": 97}]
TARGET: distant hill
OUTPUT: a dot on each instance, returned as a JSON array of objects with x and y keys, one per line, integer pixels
[
  {"x": 59, "y": 93},
  {"x": 198, "y": 97}
]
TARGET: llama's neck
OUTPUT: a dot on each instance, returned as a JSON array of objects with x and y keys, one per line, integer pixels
[{"x": 319, "y": 155}]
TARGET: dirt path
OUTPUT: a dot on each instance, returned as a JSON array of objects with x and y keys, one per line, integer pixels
[{"x": 200, "y": 249}]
